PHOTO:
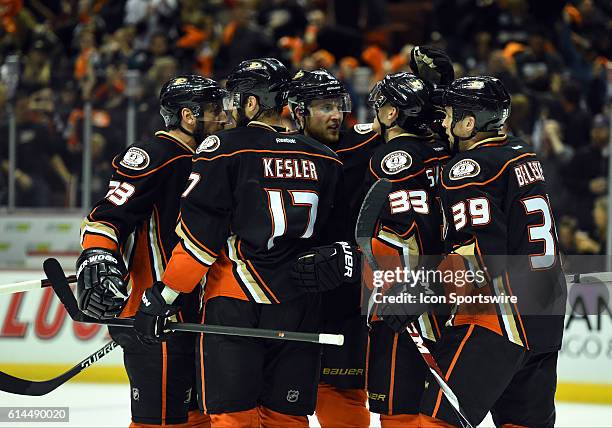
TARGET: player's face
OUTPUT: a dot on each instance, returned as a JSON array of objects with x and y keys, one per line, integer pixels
[
  {"x": 324, "y": 120},
  {"x": 386, "y": 114},
  {"x": 215, "y": 118},
  {"x": 462, "y": 128}
]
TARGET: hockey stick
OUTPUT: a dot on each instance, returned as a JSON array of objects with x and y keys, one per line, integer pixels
[
  {"x": 365, "y": 228},
  {"x": 19, "y": 386},
  {"x": 17, "y": 287},
  {"x": 59, "y": 282},
  {"x": 373, "y": 203},
  {"x": 64, "y": 293}
]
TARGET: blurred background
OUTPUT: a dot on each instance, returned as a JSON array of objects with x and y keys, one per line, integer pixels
[{"x": 80, "y": 80}]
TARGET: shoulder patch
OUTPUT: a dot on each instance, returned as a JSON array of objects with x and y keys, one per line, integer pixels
[
  {"x": 135, "y": 158},
  {"x": 465, "y": 168},
  {"x": 210, "y": 144},
  {"x": 395, "y": 162},
  {"x": 363, "y": 128}
]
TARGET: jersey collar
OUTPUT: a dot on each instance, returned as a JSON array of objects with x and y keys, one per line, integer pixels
[
  {"x": 418, "y": 137},
  {"x": 497, "y": 141},
  {"x": 181, "y": 143},
  {"x": 258, "y": 124}
]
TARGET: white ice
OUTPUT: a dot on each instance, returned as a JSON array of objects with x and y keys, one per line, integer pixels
[{"x": 104, "y": 405}]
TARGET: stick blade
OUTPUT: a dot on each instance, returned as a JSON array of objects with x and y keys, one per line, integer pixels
[
  {"x": 370, "y": 209},
  {"x": 62, "y": 289}
]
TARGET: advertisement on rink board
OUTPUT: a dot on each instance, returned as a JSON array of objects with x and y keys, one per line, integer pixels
[{"x": 38, "y": 338}]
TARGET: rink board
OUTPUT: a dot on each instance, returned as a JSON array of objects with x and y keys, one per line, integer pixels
[{"x": 39, "y": 341}]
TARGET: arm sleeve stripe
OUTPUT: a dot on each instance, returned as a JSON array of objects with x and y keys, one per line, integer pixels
[
  {"x": 182, "y": 226},
  {"x": 201, "y": 256}
]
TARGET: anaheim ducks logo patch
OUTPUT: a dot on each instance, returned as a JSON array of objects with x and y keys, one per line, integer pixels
[
  {"x": 363, "y": 128},
  {"x": 210, "y": 144},
  {"x": 465, "y": 168},
  {"x": 396, "y": 162},
  {"x": 135, "y": 158}
]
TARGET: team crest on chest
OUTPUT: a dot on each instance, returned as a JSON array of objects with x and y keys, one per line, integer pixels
[
  {"x": 465, "y": 168},
  {"x": 363, "y": 128},
  {"x": 210, "y": 144},
  {"x": 135, "y": 158},
  {"x": 395, "y": 162}
]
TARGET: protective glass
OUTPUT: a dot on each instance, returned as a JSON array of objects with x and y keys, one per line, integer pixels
[
  {"x": 376, "y": 98},
  {"x": 326, "y": 106},
  {"x": 219, "y": 111}
]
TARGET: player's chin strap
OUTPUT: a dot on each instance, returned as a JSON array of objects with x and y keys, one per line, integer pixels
[{"x": 384, "y": 128}]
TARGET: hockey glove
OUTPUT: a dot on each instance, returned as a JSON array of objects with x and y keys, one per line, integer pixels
[
  {"x": 101, "y": 288},
  {"x": 432, "y": 65},
  {"x": 153, "y": 313},
  {"x": 327, "y": 267},
  {"x": 402, "y": 305}
]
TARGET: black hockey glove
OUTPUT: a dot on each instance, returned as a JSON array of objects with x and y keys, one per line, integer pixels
[
  {"x": 432, "y": 65},
  {"x": 101, "y": 288},
  {"x": 327, "y": 267},
  {"x": 402, "y": 305},
  {"x": 153, "y": 313}
]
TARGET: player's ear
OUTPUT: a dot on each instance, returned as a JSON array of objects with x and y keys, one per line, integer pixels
[
  {"x": 187, "y": 116},
  {"x": 251, "y": 106},
  {"x": 393, "y": 113},
  {"x": 470, "y": 123}
]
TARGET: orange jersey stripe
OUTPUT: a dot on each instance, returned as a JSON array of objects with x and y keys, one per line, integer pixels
[
  {"x": 93, "y": 240},
  {"x": 286, "y": 152},
  {"x": 357, "y": 145},
  {"x": 153, "y": 170},
  {"x": 392, "y": 373},
  {"x": 183, "y": 272},
  {"x": 221, "y": 280}
]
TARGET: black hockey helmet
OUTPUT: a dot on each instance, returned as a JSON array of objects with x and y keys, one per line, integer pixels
[
  {"x": 307, "y": 86},
  {"x": 189, "y": 91},
  {"x": 408, "y": 93},
  {"x": 264, "y": 78},
  {"x": 483, "y": 97}
]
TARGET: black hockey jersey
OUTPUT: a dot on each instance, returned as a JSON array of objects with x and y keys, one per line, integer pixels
[
  {"x": 495, "y": 201},
  {"x": 355, "y": 148},
  {"x": 257, "y": 199},
  {"x": 410, "y": 225},
  {"x": 139, "y": 213}
]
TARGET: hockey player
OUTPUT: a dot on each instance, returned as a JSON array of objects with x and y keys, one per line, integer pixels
[
  {"x": 318, "y": 103},
  {"x": 499, "y": 218},
  {"x": 258, "y": 199},
  {"x": 408, "y": 236},
  {"x": 129, "y": 235}
]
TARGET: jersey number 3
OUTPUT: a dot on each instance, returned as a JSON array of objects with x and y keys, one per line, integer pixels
[{"x": 119, "y": 193}]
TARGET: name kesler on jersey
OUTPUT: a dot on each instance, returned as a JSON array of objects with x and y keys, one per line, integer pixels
[
  {"x": 396, "y": 162},
  {"x": 363, "y": 128},
  {"x": 135, "y": 158},
  {"x": 210, "y": 144},
  {"x": 465, "y": 168}
]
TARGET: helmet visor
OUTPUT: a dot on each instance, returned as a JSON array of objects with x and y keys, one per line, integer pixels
[
  {"x": 376, "y": 98},
  {"x": 326, "y": 106},
  {"x": 218, "y": 111}
]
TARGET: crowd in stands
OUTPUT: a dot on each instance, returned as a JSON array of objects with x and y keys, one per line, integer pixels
[{"x": 552, "y": 55}]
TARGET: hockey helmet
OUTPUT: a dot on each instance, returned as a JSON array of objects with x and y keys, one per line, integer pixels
[
  {"x": 320, "y": 84},
  {"x": 189, "y": 91},
  {"x": 264, "y": 78},
  {"x": 483, "y": 97},
  {"x": 405, "y": 91}
]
